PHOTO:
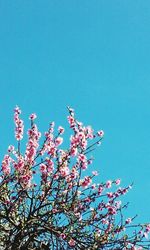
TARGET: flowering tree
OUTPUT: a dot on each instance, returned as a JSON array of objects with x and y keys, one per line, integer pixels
[{"x": 48, "y": 202}]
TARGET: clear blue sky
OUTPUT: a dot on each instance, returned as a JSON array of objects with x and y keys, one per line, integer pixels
[{"x": 93, "y": 56}]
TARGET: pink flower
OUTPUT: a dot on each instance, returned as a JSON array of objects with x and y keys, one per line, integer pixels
[
  {"x": 33, "y": 117},
  {"x": 55, "y": 176},
  {"x": 17, "y": 110},
  {"x": 87, "y": 199},
  {"x": 145, "y": 235},
  {"x": 43, "y": 168},
  {"x": 61, "y": 130},
  {"x": 89, "y": 161},
  {"x": 72, "y": 243},
  {"x": 111, "y": 210},
  {"x": 89, "y": 132},
  {"x": 84, "y": 165},
  {"x": 74, "y": 173},
  {"x": 118, "y": 182},
  {"x": 117, "y": 204},
  {"x": 71, "y": 121},
  {"x": 50, "y": 165},
  {"x": 108, "y": 184},
  {"x": 128, "y": 221},
  {"x": 86, "y": 182},
  {"x": 25, "y": 180},
  {"x": 100, "y": 190},
  {"x": 93, "y": 186},
  {"x": 110, "y": 195},
  {"x": 100, "y": 133},
  {"x": 52, "y": 151},
  {"x": 10, "y": 148},
  {"x": 63, "y": 236},
  {"x": 58, "y": 141},
  {"x": 70, "y": 185},
  {"x": 81, "y": 136},
  {"x": 148, "y": 228},
  {"x": 73, "y": 151},
  {"x": 64, "y": 171},
  {"x": 84, "y": 144},
  {"x": 95, "y": 173},
  {"x": 82, "y": 158}
]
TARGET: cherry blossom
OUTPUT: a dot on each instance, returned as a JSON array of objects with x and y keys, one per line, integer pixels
[{"x": 49, "y": 197}]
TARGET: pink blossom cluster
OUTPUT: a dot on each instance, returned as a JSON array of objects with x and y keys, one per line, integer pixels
[
  {"x": 19, "y": 129},
  {"x": 46, "y": 168},
  {"x": 50, "y": 144},
  {"x": 32, "y": 144},
  {"x": 6, "y": 165}
]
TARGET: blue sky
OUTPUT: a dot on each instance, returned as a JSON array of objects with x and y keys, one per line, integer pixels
[{"x": 93, "y": 56}]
